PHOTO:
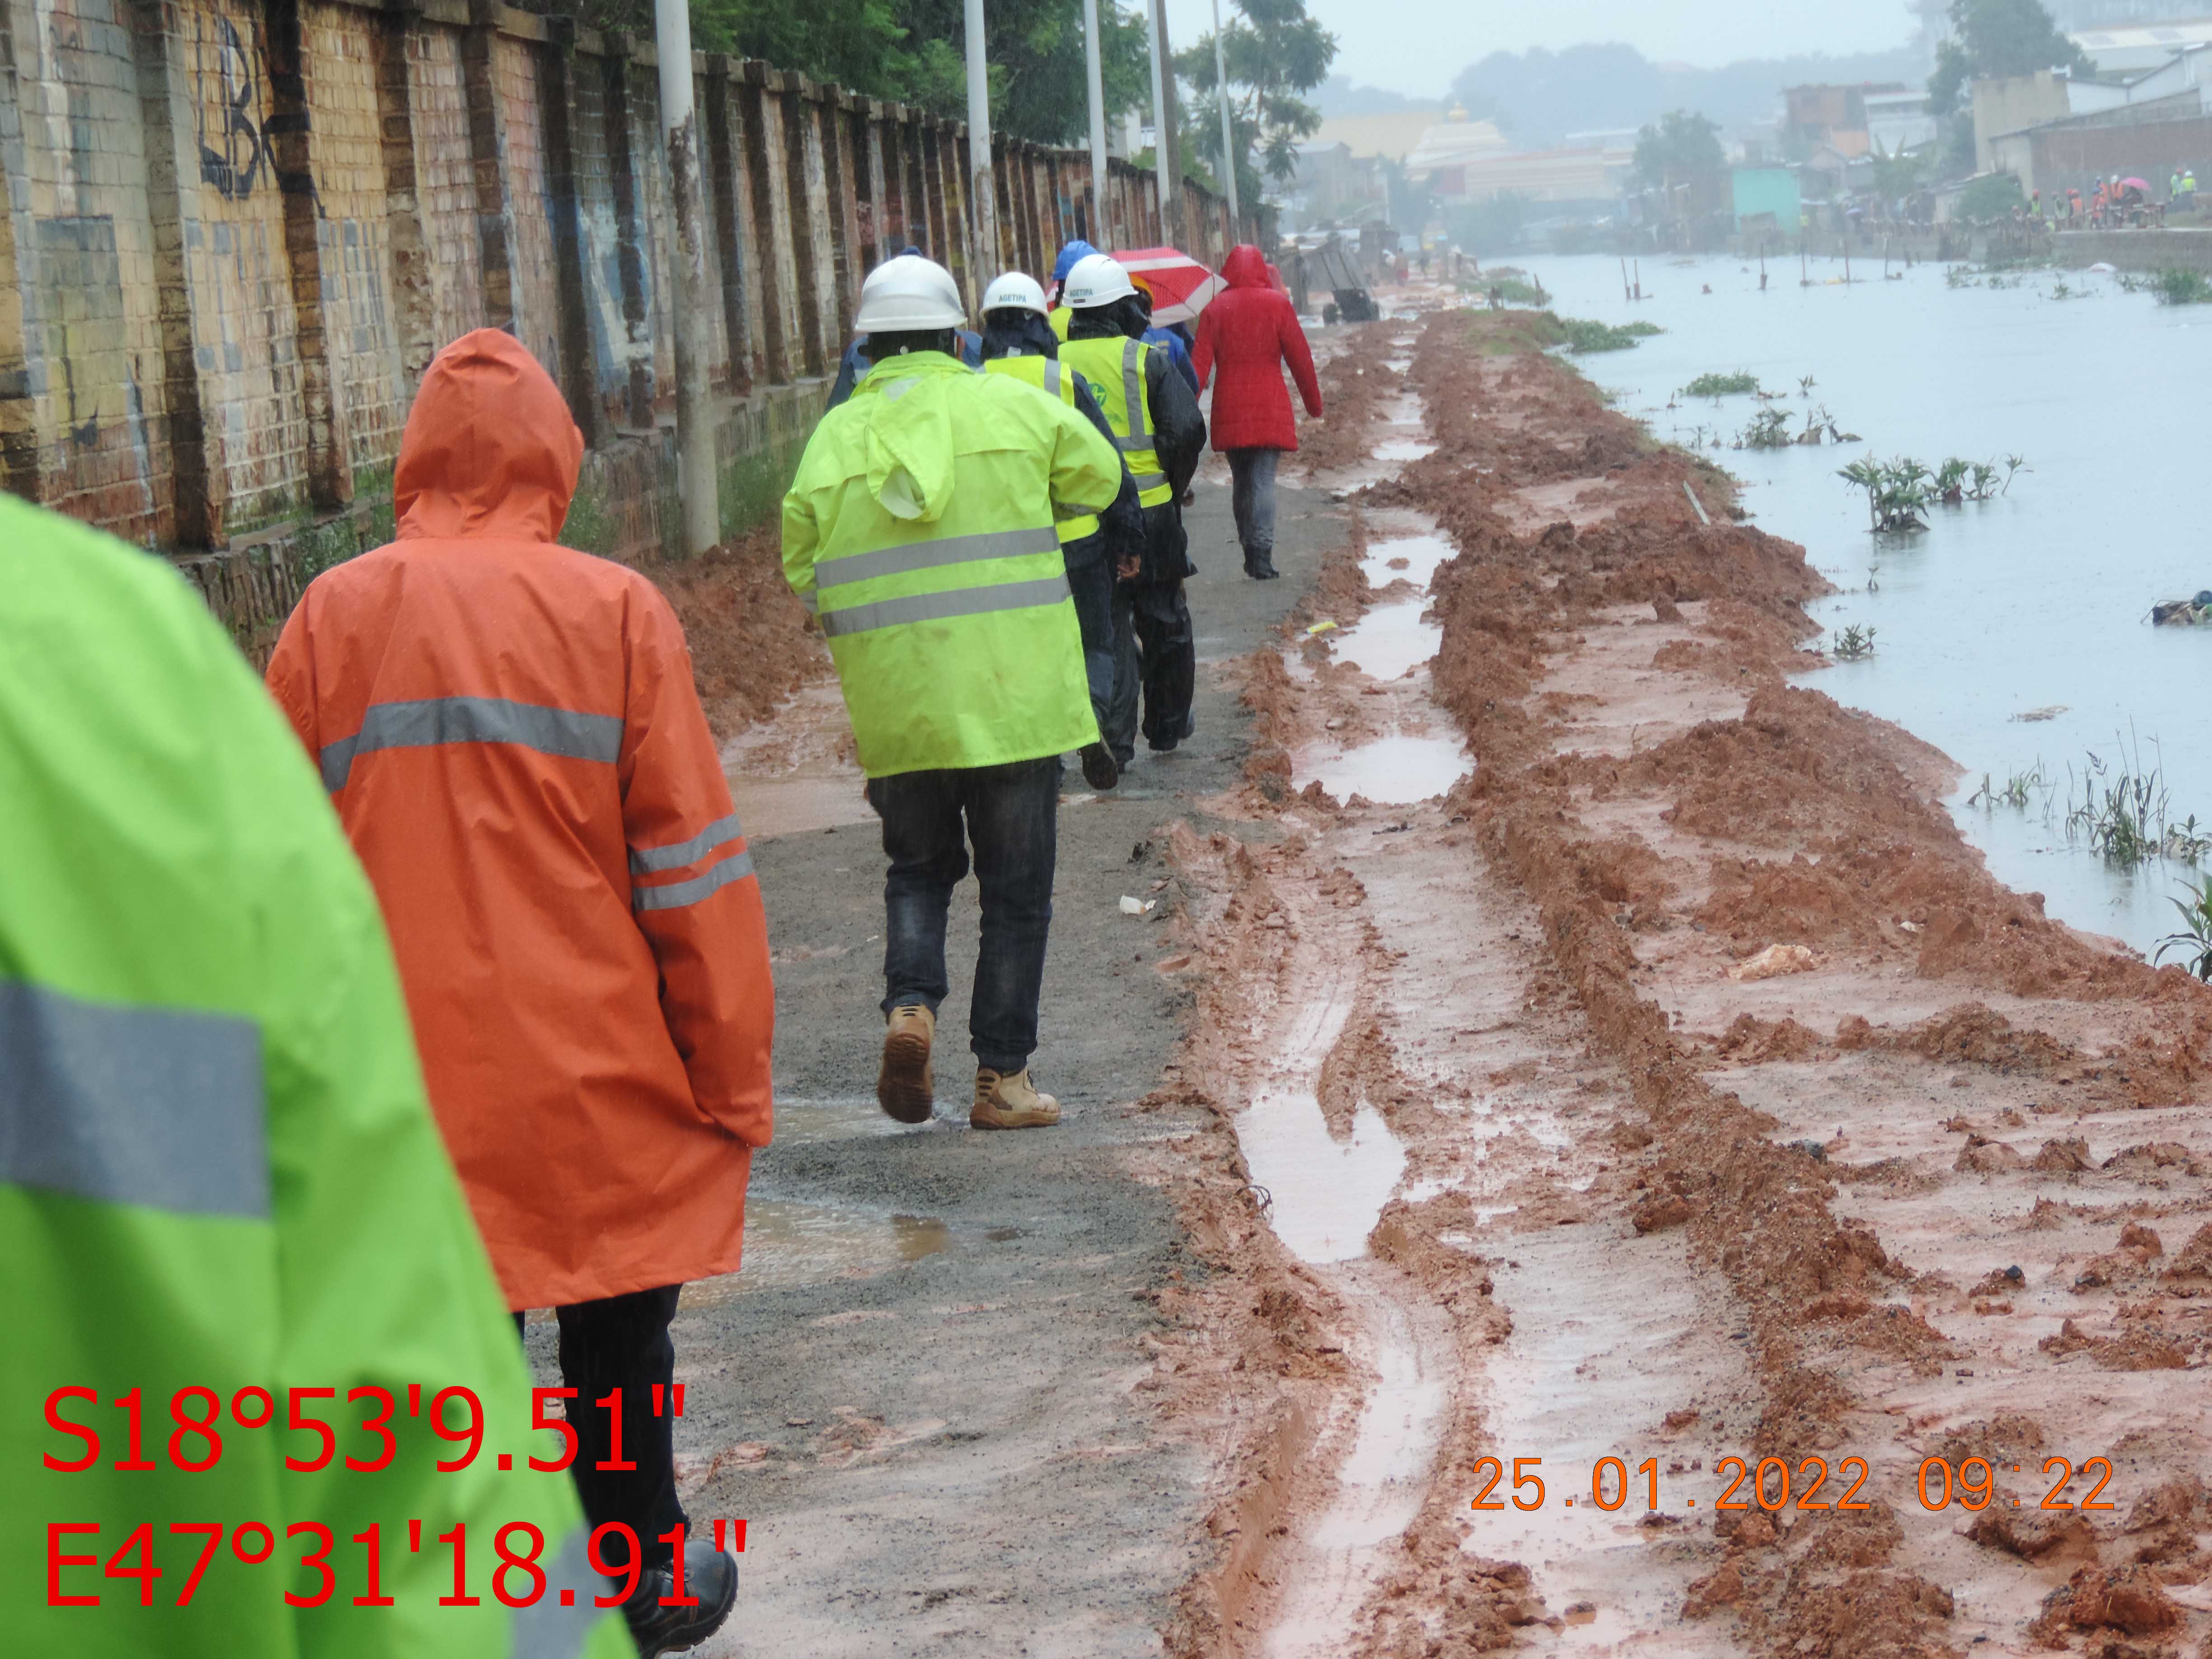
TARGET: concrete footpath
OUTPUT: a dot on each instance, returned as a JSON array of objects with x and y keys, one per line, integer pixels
[{"x": 919, "y": 1394}]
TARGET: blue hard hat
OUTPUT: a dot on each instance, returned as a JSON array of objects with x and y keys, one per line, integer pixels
[{"x": 1078, "y": 249}]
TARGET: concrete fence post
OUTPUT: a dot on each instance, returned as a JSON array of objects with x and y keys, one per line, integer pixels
[
  {"x": 726, "y": 193},
  {"x": 199, "y": 482},
  {"x": 761, "y": 118},
  {"x": 487, "y": 145},
  {"x": 414, "y": 305},
  {"x": 286, "y": 132},
  {"x": 636, "y": 348},
  {"x": 580, "y": 369},
  {"x": 810, "y": 235},
  {"x": 696, "y": 471}
]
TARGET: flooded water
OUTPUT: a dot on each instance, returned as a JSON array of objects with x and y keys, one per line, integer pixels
[
  {"x": 1392, "y": 771},
  {"x": 790, "y": 1242},
  {"x": 2031, "y": 602},
  {"x": 1390, "y": 639}
]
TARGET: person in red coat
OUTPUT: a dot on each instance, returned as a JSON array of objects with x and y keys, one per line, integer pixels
[{"x": 1251, "y": 331}]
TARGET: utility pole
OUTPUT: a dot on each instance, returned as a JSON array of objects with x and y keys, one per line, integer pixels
[
  {"x": 1167, "y": 150},
  {"x": 1093, "y": 68},
  {"x": 982, "y": 201},
  {"x": 1228, "y": 138},
  {"x": 696, "y": 484}
]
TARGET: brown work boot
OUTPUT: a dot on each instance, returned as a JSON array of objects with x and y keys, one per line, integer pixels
[
  {"x": 904, "y": 1087},
  {"x": 1008, "y": 1100}
]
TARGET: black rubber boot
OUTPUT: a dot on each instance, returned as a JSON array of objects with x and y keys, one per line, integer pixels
[
  {"x": 709, "y": 1574},
  {"x": 1261, "y": 566},
  {"x": 1099, "y": 770}
]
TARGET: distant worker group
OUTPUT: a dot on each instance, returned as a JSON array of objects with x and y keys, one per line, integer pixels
[{"x": 997, "y": 563}]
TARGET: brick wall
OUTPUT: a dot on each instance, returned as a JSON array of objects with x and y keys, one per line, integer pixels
[{"x": 237, "y": 231}]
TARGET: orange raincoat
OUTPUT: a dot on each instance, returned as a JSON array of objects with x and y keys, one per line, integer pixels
[{"x": 511, "y": 736}]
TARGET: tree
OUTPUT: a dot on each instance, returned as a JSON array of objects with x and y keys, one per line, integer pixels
[
  {"x": 1681, "y": 149},
  {"x": 1990, "y": 38},
  {"x": 1274, "y": 52},
  {"x": 916, "y": 51}
]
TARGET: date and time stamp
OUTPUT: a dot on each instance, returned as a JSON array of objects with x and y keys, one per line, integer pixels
[{"x": 1773, "y": 1484}]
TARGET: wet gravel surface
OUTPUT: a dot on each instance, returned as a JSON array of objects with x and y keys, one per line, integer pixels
[{"x": 921, "y": 1400}]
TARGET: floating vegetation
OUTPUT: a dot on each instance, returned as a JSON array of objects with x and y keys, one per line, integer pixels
[
  {"x": 1741, "y": 384},
  {"x": 2120, "y": 812},
  {"x": 1896, "y": 491},
  {"x": 1854, "y": 642},
  {"x": 1770, "y": 430},
  {"x": 1583, "y": 335},
  {"x": 2018, "y": 790},
  {"x": 2195, "y": 940},
  {"x": 2178, "y": 287}
]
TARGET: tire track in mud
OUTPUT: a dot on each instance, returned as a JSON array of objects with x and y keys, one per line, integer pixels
[{"x": 1383, "y": 1023}]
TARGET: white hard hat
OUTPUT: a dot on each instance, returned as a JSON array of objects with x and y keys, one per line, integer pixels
[
  {"x": 909, "y": 294},
  {"x": 1014, "y": 292},
  {"x": 1097, "y": 280}
]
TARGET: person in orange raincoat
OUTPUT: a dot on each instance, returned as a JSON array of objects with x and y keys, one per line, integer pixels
[{"x": 511, "y": 738}]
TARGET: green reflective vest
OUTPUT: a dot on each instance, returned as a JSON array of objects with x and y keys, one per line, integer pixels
[
  {"x": 1047, "y": 376},
  {"x": 919, "y": 529},
  {"x": 1115, "y": 368},
  {"x": 218, "y": 1173}
]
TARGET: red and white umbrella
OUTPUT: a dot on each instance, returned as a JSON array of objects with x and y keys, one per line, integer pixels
[{"x": 1181, "y": 286}]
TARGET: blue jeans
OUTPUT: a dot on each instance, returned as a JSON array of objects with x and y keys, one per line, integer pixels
[
  {"x": 1011, "y": 819},
  {"x": 1252, "y": 499}
]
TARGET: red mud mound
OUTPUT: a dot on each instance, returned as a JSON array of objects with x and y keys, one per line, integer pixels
[
  {"x": 1353, "y": 383},
  {"x": 752, "y": 643}
]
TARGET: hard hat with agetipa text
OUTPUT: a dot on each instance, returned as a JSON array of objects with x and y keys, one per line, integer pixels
[
  {"x": 909, "y": 294},
  {"x": 1098, "y": 280},
  {"x": 1014, "y": 292}
]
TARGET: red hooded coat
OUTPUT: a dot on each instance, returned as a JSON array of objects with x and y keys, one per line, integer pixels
[
  {"x": 509, "y": 732},
  {"x": 1251, "y": 331}
]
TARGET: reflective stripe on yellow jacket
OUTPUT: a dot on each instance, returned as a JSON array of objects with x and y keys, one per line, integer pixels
[
  {"x": 1048, "y": 376},
  {"x": 1115, "y": 369}
]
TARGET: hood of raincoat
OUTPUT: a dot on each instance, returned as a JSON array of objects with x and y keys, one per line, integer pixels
[
  {"x": 1245, "y": 267},
  {"x": 489, "y": 449},
  {"x": 1076, "y": 250},
  {"x": 1012, "y": 331},
  {"x": 907, "y": 403}
]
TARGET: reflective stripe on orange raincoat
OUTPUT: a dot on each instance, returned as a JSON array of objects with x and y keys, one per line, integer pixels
[{"x": 511, "y": 736}]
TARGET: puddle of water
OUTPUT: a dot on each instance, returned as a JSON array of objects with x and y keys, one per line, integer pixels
[
  {"x": 1422, "y": 555},
  {"x": 846, "y": 1117},
  {"x": 1390, "y": 639},
  {"x": 1326, "y": 1192},
  {"x": 1403, "y": 449},
  {"x": 1393, "y": 771},
  {"x": 790, "y": 1242},
  {"x": 1398, "y": 365},
  {"x": 2028, "y": 601}
]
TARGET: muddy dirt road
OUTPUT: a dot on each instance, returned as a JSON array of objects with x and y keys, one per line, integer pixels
[{"x": 1564, "y": 1035}]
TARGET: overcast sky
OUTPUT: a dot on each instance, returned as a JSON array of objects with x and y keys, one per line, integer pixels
[{"x": 1416, "y": 47}]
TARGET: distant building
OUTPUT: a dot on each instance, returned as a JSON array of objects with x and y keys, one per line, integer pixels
[
  {"x": 1448, "y": 148},
  {"x": 1333, "y": 186},
  {"x": 1837, "y": 116},
  {"x": 1766, "y": 201},
  {"x": 2122, "y": 50},
  {"x": 1898, "y": 121}
]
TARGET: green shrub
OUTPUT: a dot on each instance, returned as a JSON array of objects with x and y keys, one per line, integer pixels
[
  {"x": 2177, "y": 287},
  {"x": 1738, "y": 385}
]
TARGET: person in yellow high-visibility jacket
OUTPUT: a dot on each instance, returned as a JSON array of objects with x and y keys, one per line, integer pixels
[
  {"x": 1096, "y": 546},
  {"x": 224, "y": 1207},
  {"x": 1160, "y": 433},
  {"x": 919, "y": 529}
]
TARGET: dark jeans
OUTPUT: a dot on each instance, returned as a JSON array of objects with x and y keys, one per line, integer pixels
[
  {"x": 621, "y": 1343},
  {"x": 1011, "y": 820},
  {"x": 1092, "y": 582},
  {"x": 1252, "y": 498}
]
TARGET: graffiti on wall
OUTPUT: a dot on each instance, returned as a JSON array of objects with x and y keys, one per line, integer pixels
[{"x": 228, "y": 119}]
